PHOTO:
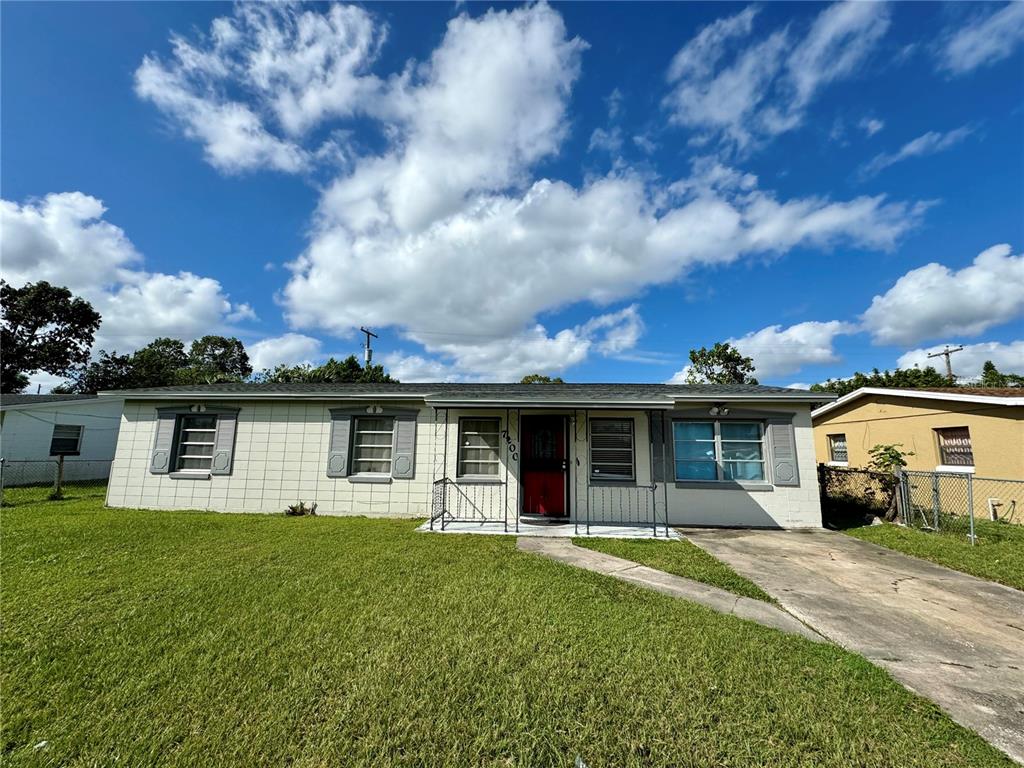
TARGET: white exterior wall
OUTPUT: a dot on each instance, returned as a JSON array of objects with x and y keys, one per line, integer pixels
[
  {"x": 280, "y": 458},
  {"x": 25, "y": 434},
  {"x": 777, "y": 506}
]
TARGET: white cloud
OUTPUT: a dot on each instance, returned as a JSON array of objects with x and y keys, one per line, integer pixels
[
  {"x": 746, "y": 95},
  {"x": 294, "y": 69},
  {"x": 64, "y": 239},
  {"x": 927, "y": 144},
  {"x": 934, "y": 301},
  {"x": 1008, "y": 358},
  {"x": 779, "y": 351},
  {"x": 288, "y": 349},
  {"x": 447, "y": 237},
  {"x": 871, "y": 125},
  {"x": 984, "y": 40},
  {"x": 609, "y": 140}
]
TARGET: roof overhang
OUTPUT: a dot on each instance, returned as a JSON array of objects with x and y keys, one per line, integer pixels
[
  {"x": 103, "y": 397},
  {"x": 921, "y": 394}
]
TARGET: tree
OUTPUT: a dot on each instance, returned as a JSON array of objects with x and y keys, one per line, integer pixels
[
  {"x": 109, "y": 371},
  {"x": 722, "y": 364},
  {"x": 991, "y": 377},
  {"x": 539, "y": 378},
  {"x": 887, "y": 461},
  {"x": 347, "y": 371},
  {"x": 901, "y": 378},
  {"x": 214, "y": 359},
  {"x": 45, "y": 328}
]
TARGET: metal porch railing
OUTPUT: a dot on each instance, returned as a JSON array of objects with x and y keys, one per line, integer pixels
[{"x": 453, "y": 502}]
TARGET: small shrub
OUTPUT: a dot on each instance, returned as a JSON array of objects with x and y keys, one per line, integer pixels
[{"x": 300, "y": 509}]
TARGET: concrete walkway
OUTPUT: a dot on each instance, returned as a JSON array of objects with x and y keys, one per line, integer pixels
[
  {"x": 717, "y": 599},
  {"x": 953, "y": 638}
]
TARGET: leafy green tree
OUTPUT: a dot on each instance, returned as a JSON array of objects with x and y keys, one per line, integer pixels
[
  {"x": 539, "y": 378},
  {"x": 108, "y": 371},
  {"x": 991, "y": 377},
  {"x": 901, "y": 378},
  {"x": 722, "y": 364},
  {"x": 214, "y": 359},
  {"x": 45, "y": 328},
  {"x": 347, "y": 371},
  {"x": 887, "y": 460}
]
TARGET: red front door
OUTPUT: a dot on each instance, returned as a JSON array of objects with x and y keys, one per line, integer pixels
[{"x": 544, "y": 466}]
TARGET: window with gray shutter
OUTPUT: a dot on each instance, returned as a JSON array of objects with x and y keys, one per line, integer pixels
[
  {"x": 66, "y": 439},
  {"x": 372, "y": 445},
  {"x": 197, "y": 435},
  {"x": 611, "y": 449}
]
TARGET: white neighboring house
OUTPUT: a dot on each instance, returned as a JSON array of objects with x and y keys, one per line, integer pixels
[
  {"x": 38, "y": 428},
  {"x": 504, "y": 454}
]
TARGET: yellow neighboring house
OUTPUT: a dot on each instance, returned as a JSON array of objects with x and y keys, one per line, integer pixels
[{"x": 962, "y": 429}]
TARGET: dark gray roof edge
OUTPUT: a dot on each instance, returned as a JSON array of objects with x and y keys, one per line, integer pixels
[
  {"x": 12, "y": 401},
  {"x": 450, "y": 394}
]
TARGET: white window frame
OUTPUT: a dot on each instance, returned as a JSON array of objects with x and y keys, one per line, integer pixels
[
  {"x": 78, "y": 439},
  {"x": 597, "y": 476},
  {"x": 942, "y": 466},
  {"x": 719, "y": 461},
  {"x": 181, "y": 447},
  {"x": 460, "y": 461},
  {"x": 832, "y": 460},
  {"x": 355, "y": 460}
]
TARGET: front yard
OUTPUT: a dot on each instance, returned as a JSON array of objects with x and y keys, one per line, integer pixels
[
  {"x": 998, "y": 555},
  {"x": 187, "y": 638}
]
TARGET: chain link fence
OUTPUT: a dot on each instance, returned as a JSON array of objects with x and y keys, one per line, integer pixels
[
  {"x": 27, "y": 481},
  {"x": 851, "y": 497},
  {"x": 960, "y": 504}
]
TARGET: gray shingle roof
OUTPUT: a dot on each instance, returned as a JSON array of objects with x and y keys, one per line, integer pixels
[
  {"x": 36, "y": 399},
  {"x": 441, "y": 392}
]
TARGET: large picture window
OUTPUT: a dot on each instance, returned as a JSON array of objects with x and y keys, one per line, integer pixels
[
  {"x": 372, "y": 442},
  {"x": 611, "y": 449},
  {"x": 478, "y": 447},
  {"x": 196, "y": 436},
  {"x": 718, "y": 451}
]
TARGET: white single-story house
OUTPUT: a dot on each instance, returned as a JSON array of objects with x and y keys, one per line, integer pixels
[
  {"x": 36, "y": 429},
  {"x": 592, "y": 454}
]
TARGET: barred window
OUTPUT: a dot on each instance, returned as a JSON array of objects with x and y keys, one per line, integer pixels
[
  {"x": 372, "y": 444},
  {"x": 837, "y": 451},
  {"x": 66, "y": 439},
  {"x": 955, "y": 447},
  {"x": 611, "y": 449},
  {"x": 478, "y": 447}
]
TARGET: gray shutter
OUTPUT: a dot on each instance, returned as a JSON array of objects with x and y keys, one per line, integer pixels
[
  {"x": 403, "y": 454},
  {"x": 782, "y": 444},
  {"x": 661, "y": 450},
  {"x": 337, "y": 449},
  {"x": 163, "y": 443},
  {"x": 224, "y": 444}
]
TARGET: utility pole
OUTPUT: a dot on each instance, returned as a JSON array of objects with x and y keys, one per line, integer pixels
[
  {"x": 367, "y": 351},
  {"x": 949, "y": 367}
]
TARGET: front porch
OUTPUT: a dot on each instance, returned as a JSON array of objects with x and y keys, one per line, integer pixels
[{"x": 548, "y": 473}]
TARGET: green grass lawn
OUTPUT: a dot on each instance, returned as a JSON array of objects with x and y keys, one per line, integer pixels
[
  {"x": 188, "y": 638},
  {"x": 681, "y": 558},
  {"x": 998, "y": 555}
]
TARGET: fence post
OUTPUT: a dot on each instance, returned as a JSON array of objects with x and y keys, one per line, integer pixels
[
  {"x": 970, "y": 505},
  {"x": 935, "y": 500},
  {"x": 2, "y": 462},
  {"x": 58, "y": 481},
  {"x": 901, "y": 514}
]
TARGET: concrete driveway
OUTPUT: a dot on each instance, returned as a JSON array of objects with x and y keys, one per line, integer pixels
[{"x": 950, "y": 637}]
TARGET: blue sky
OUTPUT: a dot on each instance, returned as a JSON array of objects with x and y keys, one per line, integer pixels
[{"x": 588, "y": 190}]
